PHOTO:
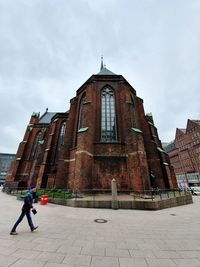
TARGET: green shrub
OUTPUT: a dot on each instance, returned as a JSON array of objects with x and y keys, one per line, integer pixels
[{"x": 55, "y": 193}]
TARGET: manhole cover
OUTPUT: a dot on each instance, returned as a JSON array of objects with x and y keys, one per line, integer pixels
[{"x": 100, "y": 221}]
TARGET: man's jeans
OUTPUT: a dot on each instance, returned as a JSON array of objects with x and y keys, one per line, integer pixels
[{"x": 28, "y": 215}]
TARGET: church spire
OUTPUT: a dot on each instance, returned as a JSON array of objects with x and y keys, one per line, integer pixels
[{"x": 101, "y": 63}]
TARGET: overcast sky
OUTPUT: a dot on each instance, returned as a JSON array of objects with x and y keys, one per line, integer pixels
[{"x": 49, "y": 48}]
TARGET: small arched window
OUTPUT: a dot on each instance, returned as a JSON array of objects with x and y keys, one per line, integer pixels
[
  {"x": 60, "y": 139},
  {"x": 132, "y": 101},
  {"x": 81, "y": 113},
  {"x": 108, "y": 117},
  {"x": 35, "y": 147}
]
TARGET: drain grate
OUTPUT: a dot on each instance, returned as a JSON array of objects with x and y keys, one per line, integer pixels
[
  {"x": 173, "y": 214},
  {"x": 100, "y": 221}
]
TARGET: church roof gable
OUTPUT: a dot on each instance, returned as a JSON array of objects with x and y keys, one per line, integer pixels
[
  {"x": 196, "y": 121},
  {"x": 105, "y": 71},
  {"x": 192, "y": 123},
  {"x": 46, "y": 117},
  {"x": 179, "y": 132}
]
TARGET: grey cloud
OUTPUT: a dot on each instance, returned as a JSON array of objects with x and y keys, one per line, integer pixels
[{"x": 49, "y": 48}]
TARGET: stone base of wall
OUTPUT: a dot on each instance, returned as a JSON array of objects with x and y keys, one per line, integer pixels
[{"x": 127, "y": 204}]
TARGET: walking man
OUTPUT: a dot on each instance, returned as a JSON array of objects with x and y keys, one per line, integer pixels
[{"x": 26, "y": 210}]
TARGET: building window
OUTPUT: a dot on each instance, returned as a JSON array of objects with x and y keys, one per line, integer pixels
[
  {"x": 60, "y": 139},
  {"x": 81, "y": 113},
  {"x": 108, "y": 118},
  {"x": 132, "y": 113},
  {"x": 61, "y": 135},
  {"x": 35, "y": 147}
]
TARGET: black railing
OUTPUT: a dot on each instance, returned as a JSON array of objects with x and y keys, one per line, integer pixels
[{"x": 98, "y": 194}]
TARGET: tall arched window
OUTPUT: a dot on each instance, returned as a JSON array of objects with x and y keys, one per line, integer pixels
[
  {"x": 108, "y": 119},
  {"x": 132, "y": 112},
  {"x": 62, "y": 134},
  {"x": 60, "y": 139},
  {"x": 34, "y": 151},
  {"x": 81, "y": 113}
]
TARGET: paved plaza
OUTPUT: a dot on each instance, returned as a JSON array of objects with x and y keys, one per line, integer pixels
[{"x": 69, "y": 237}]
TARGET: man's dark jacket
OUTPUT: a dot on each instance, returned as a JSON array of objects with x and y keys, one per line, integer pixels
[{"x": 28, "y": 201}]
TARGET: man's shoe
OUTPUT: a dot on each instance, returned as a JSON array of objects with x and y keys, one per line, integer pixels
[
  {"x": 34, "y": 228},
  {"x": 13, "y": 233}
]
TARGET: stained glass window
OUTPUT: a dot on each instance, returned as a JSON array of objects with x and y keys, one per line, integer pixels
[
  {"x": 60, "y": 139},
  {"x": 108, "y": 120},
  {"x": 81, "y": 113},
  {"x": 34, "y": 151}
]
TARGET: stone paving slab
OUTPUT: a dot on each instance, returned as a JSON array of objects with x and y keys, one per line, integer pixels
[
  {"x": 131, "y": 262},
  {"x": 68, "y": 249},
  {"x": 7, "y": 261},
  {"x": 26, "y": 254},
  {"x": 69, "y": 237},
  {"x": 94, "y": 251},
  {"x": 78, "y": 259},
  {"x": 161, "y": 262},
  {"x": 98, "y": 261},
  {"x": 27, "y": 263}
]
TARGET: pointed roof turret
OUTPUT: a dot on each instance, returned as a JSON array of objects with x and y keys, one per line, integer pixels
[{"x": 104, "y": 70}]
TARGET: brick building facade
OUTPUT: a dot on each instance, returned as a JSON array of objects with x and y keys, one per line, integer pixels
[
  {"x": 104, "y": 135},
  {"x": 184, "y": 153}
]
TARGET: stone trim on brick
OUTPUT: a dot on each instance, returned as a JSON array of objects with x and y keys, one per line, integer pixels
[
  {"x": 84, "y": 151},
  {"x": 82, "y": 130},
  {"x": 69, "y": 160},
  {"x": 136, "y": 130}
]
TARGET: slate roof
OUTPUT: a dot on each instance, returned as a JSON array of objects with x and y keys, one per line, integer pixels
[
  {"x": 105, "y": 71},
  {"x": 182, "y": 130},
  {"x": 46, "y": 117},
  {"x": 164, "y": 144},
  {"x": 170, "y": 146},
  {"x": 196, "y": 121}
]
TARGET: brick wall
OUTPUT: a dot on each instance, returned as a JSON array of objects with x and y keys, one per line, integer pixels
[{"x": 84, "y": 161}]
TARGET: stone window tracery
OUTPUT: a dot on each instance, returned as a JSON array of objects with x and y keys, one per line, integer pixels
[
  {"x": 35, "y": 147},
  {"x": 60, "y": 139},
  {"x": 108, "y": 116},
  {"x": 81, "y": 113},
  {"x": 132, "y": 112}
]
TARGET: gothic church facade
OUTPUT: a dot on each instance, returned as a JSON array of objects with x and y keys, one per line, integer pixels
[{"x": 104, "y": 135}]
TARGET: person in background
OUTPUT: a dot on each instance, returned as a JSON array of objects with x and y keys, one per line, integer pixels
[{"x": 26, "y": 210}]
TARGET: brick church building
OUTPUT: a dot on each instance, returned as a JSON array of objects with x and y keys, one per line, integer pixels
[{"x": 104, "y": 135}]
